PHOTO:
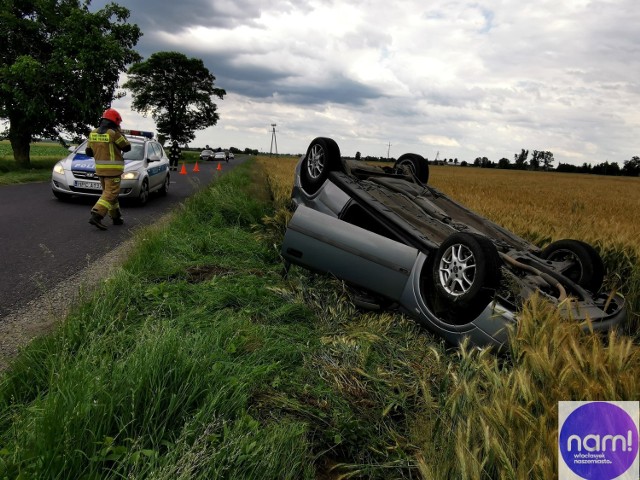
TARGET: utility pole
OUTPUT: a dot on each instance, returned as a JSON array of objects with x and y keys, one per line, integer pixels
[
  {"x": 388, "y": 148},
  {"x": 273, "y": 139}
]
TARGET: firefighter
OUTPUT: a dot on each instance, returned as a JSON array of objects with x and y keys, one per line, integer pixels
[
  {"x": 174, "y": 156},
  {"x": 106, "y": 145}
]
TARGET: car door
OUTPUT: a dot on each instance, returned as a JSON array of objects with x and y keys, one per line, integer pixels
[
  {"x": 155, "y": 165},
  {"x": 360, "y": 257}
]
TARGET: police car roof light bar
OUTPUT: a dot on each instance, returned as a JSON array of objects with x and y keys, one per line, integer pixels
[{"x": 138, "y": 133}]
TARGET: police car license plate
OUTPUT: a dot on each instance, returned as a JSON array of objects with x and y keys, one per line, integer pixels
[{"x": 90, "y": 185}]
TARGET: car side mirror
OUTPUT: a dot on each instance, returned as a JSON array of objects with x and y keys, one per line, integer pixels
[{"x": 154, "y": 158}]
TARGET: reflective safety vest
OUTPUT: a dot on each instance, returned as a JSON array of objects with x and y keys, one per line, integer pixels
[{"x": 107, "y": 148}]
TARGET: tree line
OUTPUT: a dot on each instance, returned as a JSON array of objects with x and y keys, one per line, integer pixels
[
  {"x": 540, "y": 160},
  {"x": 543, "y": 160}
]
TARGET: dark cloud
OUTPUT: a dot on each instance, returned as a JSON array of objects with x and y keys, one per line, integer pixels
[
  {"x": 176, "y": 16},
  {"x": 340, "y": 90},
  {"x": 254, "y": 81},
  {"x": 264, "y": 82}
]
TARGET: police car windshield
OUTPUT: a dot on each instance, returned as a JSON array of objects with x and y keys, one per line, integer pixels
[{"x": 136, "y": 152}]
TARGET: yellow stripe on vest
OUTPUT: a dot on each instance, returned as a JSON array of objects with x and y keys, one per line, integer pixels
[{"x": 109, "y": 166}]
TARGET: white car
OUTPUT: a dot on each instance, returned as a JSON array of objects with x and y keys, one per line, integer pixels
[
  {"x": 146, "y": 170},
  {"x": 220, "y": 156}
]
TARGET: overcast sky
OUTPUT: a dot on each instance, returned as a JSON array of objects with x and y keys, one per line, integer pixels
[{"x": 461, "y": 79}]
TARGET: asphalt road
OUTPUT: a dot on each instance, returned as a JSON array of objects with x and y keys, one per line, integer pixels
[{"x": 44, "y": 241}]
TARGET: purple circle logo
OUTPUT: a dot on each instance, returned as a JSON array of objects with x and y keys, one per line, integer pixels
[{"x": 598, "y": 441}]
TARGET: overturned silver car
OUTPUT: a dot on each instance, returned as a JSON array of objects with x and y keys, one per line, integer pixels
[{"x": 386, "y": 232}]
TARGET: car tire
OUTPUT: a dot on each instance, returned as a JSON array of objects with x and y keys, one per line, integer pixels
[
  {"x": 165, "y": 186},
  {"x": 418, "y": 165},
  {"x": 323, "y": 156},
  {"x": 143, "y": 196},
  {"x": 466, "y": 274},
  {"x": 587, "y": 269}
]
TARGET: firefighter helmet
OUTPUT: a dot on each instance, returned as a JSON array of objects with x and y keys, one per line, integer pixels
[{"x": 113, "y": 115}]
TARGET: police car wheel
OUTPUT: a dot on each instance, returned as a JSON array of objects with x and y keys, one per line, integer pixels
[{"x": 144, "y": 192}]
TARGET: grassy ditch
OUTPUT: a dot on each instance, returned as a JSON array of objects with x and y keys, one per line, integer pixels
[{"x": 198, "y": 360}]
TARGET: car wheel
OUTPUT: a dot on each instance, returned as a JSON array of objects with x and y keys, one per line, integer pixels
[
  {"x": 583, "y": 264},
  {"x": 466, "y": 272},
  {"x": 165, "y": 186},
  {"x": 416, "y": 163},
  {"x": 323, "y": 156},
  {"x": 143, "y": 197}
]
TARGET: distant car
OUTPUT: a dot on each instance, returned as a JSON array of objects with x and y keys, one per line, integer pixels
[
  {"x": 231, "y": 156},
  {"x": 146, "y": 170},
  {"x": 401, "y": 243},
  {"x": 220, "y": 156},
  {"x": 206, "y": 155}
]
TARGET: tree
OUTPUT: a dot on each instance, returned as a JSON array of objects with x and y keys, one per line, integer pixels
[
  {"x": 60, "y": 67},
  {"x": 483, "y": 162},
  {"x": 535, "y": 160},
  {"x": 547, "y": 160},
  {"x": 631, "y": 168},
  {"x": 504, "y": 163},
  {"x": 521, "y": 159},
  {"x": 177, "y": 92}
]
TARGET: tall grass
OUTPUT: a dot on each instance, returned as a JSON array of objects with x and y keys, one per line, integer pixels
[
  {"x": 155, "y": 376},
  {"x": 198, "y": 360}
]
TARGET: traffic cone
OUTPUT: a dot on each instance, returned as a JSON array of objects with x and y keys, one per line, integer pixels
[
  {"x": 196, "y": 168},
  {"x": 183, "y": 171},
  {"x": 219, "y": 166}
]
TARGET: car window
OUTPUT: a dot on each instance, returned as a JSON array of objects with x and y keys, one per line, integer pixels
[
  {"x": 159, "y": 149},
  {"x": 136, "y": 152},
  {"x": 154, "y": 149}
]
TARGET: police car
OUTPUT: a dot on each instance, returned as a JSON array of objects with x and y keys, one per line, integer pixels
[{"x": 146, "y": 170}]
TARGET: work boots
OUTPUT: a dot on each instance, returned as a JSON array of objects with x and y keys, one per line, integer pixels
[
  {"x": 117, "y": 218},
  {"x": 96, "y": 220}
]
